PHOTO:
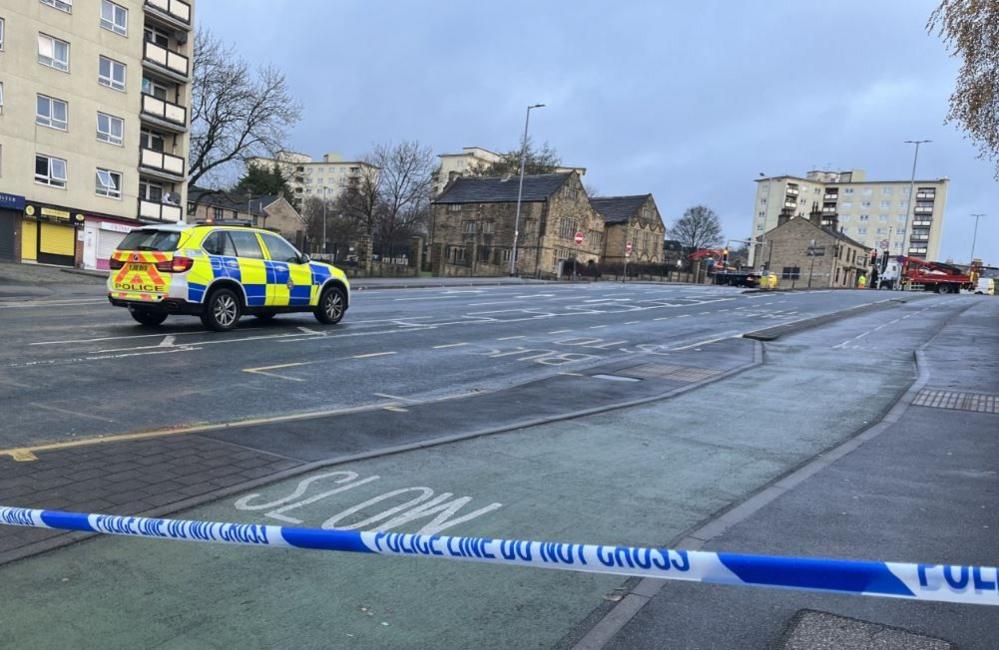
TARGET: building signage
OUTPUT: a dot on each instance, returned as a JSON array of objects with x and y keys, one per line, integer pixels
[
  {"x": 54, "y": 214},
  {"x": 115, "y": 227},
  {"x": 11, "y": 201},
  {"x": 58, "y": 214}
]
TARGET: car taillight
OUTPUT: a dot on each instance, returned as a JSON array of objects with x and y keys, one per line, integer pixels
[
  {"x": 114, "y": 264},
  {"x": 178, "y": 264}
]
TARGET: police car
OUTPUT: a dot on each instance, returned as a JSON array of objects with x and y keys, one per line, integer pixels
[{"x": 221, "y": 272}]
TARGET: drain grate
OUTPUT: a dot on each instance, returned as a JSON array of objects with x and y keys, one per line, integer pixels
[
  {"x": 948, "y": 399},
  {"x": 667, "y": 371}
]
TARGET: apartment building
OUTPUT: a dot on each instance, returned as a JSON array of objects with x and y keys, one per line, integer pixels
[
  {"x": 877, "y": 214},
  {"x": 470, "y": 161},
  {"x": 323, "y": 179},
  {"x": 94, "y": 125}
]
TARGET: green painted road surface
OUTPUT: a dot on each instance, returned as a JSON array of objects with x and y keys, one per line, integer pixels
[{"x": 638, "y": 476}]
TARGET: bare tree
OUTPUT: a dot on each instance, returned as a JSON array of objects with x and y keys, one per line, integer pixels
[
  {"x": 236, "y": 112},
  {"x": 405, "y": 187},
  {"x": 970, "y": 29},
  {"x": 699, "y": 227},
  {"x": 360, "y": 202},
  {"x": 324, "y": 218}
]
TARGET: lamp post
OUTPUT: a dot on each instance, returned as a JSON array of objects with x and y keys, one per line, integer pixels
[
  {"x": 520, "y": 190},
  {"x": 324, "y": 221},
  {"x": 912, "y": 196},
  {"x": 974, "y": 238}
]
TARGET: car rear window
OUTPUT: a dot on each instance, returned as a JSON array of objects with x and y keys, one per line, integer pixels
[{"x": 150, "y": 240}]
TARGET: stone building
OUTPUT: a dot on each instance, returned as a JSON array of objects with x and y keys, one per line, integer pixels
[
  {"x": 272, "y": 212},
  {"x": 634, "y": 219},
  {"x": 472, "y": 226},
  {"x": 803, "y": 253},
  {"x": 471, "y": 161}
]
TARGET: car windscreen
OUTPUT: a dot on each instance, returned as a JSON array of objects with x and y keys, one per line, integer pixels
[{"x": 150, "y": 240}]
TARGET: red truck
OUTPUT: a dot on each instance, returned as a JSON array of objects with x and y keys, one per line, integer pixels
[{"x": 918, "y": 273}]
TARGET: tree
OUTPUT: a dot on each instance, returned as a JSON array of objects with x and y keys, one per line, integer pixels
[
  {"x": 538, "y": 161},
  {"x": 322, "y": 217},
  {"x": 699, "y": 227},
  {"x": 263, "y": 180},
  {"x": 405, "y": 187},
  {"x": 236, "y": 113},
  {"x": 970, "y": 29}
]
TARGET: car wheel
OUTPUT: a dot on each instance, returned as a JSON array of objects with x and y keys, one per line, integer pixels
[
  {"x": 266, "y": 316},
  {"x": 222, "y": 310},
  {"x": 332, "y": 306},
  {"x": 149, "y": 318}
]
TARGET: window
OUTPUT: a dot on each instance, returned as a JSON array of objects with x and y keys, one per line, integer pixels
[
  {"x": 882, "y": 217},
  {"x": 865, "y": 217},
  {"x": 50, "y": 171},
  {"x": 1, "y": 34},
  {"x": 61, "y": 5},
  {"x": 1, "y": 98},
  {"x": 281, "y": 250},
  {"x": 151, "y": 140},
  {"x": 114, "y": 17},
  {"x": 865, "y": 204},
  {"x": 456, "y": 254},
  {"x": 847, "y": 190},
  {"x": 150, "y": 191},
  {"x": 110, "y": 129},
  {"x": 454, "y": 207},
  {"x": 790, "y": 273},
  {"x": 846, "y": 205},
  {"x": 862, "y": 231},
  {"x": 505, "y": 255},
  {"x": 246, "y": 244},
  {"x": 150, "y": 87},
  {"x": 901, "y": 217},
  {"x": 484, "y": 254},
  {"x": 488, "y": 227},
  {"x": 150, "y": 240},
  {"x": 53, "y": 52},
  {"x": 218, "y": 214},
  {"x": 845, "y": 218},
  {"x": 108, "y": 183},
  {"x": 111, "y": 73},
  {"x": 868, "y": 191},
  {"x": 886, "y": 204},
  {"x": 53, "y": 113},
  {"x": 886, "y": 191},
  {"x": 567, "y": 228},
  {"x": 158, "y": 37},
  {"x": 468, "y": 227},
  {"x": 218, "y": 243}
]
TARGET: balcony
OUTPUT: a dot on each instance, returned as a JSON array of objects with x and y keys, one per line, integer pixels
[
  {"x": 162, "y": 165},
  {"x": 830, "y": 197},
  {"x": 792, "y": 191},
  {"x": 154, "y": 211},
  {"x": 829, "y": 209},
  {"x": 928, "y": 196},
  {"x": 924, "y": 209},
  {"x": 787, "y": 204},
  {"x": 164, "y": 113},
  {"x": 922, "y": 224},
  {"x": 166, "y": 62},
  {"x": 175, "y": 12},
  {"x": 919, "y": 238}
]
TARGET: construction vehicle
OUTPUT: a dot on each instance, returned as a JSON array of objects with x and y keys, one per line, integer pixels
[{"x": 916, "y": 274}]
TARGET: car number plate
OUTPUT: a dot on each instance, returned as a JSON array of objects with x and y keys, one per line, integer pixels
[{"x": 138, "y": 268}]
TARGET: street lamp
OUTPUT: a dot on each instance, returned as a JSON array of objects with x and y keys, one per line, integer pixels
[
  {"x": 520, "y": 190},
  {"x": 912, "y": 196},
  {"x": 325, "y": 190},
  {"x": 974, "y": 237}
]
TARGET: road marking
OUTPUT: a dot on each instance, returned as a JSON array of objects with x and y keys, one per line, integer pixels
[
  {"x": 597, "y": 327},
  {"x": 264, "y": 370},
  {"x": 395, "y": 409},
  {"x": 572, "y": 374},
  {"x": 449, "y": 345},
  {"x": 52, "y": 303},
  {"x": 492, "y": 302},
  {"x": 81, "y": 414},
  {"x": 684, "y": 316},
  {"x": 510, "y": 338},
  {"x": 559, "y": 331},
  {"x": 167, "y": 341},
  {"x": 663, "y": 318},
  {"x": 721, "y": 337},
  {"x": 633, "y": 322},
  {"x": 115, "y": 338},
  {"x": 306, "y": 330},
  {"x": 395, "y": 397},
  {"x": 372, "y": 354}
]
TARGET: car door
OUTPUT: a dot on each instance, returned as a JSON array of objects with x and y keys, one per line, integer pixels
[
  {"x": 293, "y": 278},
  {"x": 252, "y": 269}
]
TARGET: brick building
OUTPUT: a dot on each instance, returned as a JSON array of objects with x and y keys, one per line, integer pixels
[
  {"x": 803, "y": 253},
  {"x": 472, "y": 225},
  {"x": 634, "y": 219}
]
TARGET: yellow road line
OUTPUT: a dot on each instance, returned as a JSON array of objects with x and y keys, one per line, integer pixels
[
  {"x": 25, "y": 454},
  {"x": 373, "y": 354}
]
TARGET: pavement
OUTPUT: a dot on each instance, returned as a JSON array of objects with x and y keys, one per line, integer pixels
[{"x": 796, "y": 423}]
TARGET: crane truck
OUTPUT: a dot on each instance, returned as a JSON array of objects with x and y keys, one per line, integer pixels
[{"x": 918, "y": 274}]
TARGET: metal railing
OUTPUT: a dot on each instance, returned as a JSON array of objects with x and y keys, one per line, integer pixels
[{"x": 159, "y": 211}]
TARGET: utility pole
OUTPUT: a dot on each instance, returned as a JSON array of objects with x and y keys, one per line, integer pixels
[
  {"x": 974, "y": 238},
  {"x": 520, "y": 190},
  {"x": 912, "y": 198}
]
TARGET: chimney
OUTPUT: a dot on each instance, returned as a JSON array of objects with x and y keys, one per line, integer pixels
[
  {"x": 783, "y": 217},
  {"x": 815, "y": 216}
]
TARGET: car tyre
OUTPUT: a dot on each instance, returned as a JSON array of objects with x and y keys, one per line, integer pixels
[
  {"x": 222, "y": 310},
  {"x": 332, "y": 305},
  {"x": 147, "y": 318}
]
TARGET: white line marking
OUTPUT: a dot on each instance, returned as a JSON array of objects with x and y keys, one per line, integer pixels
[
  {"x": 633, "y": 322},
  {"x": 510, "y": 338},
  {"x": 52, "y": 303},
  {"x": 372, "y": 354},
  {"x": 264, "y": 370},
  {"x": 449, "y": 345},
  {"x": 167, "y": 341},
  {"x": 597, "y": 327},
  {"x": 396, "y": 397}
]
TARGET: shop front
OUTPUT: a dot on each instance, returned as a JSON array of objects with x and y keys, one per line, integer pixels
[
  {"x": 11, "y": 209},
  {"x": 101, "y": 236},
  {"x": 49, "y": 234}
]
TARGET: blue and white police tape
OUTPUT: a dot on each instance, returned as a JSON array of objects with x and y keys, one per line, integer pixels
[{"x": 932, "y": 582}]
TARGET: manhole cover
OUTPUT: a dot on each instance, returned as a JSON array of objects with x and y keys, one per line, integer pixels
[
  {"x": 948, "y": 399},
  {"x": 668, "y": 371}
]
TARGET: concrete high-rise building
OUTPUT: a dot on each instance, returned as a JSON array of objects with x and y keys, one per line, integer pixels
[
  {"x": 873, "y": 213},
  {"x": 94, "y": 124},
  {"x": 326, "y": 178}
]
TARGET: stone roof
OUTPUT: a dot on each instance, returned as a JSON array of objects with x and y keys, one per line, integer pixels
[
  {"x": 501, "y": 189},
  {"x": 618, "y": 209}
]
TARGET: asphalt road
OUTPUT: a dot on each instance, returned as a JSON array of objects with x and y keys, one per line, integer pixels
[
  {"x": 643, "y": 475},
  {"x": 75, "y": 367}
]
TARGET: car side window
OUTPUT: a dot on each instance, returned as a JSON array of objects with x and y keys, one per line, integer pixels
[
  {"x": 218, "y": 243},
  {"x": 246, "y": 244},
  {"x": 280, "y": 250}
]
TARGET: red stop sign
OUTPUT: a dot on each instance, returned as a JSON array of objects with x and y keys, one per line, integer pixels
[{"x": 580, "y": 237}]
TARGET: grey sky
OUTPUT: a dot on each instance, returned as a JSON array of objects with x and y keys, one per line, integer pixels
[{"x": 687, "y": 100}]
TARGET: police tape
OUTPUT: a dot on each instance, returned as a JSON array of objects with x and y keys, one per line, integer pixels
[{"x": 930, "y": 582}]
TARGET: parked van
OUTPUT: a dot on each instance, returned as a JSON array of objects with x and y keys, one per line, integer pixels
[{"x": 986, "y": 286}]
